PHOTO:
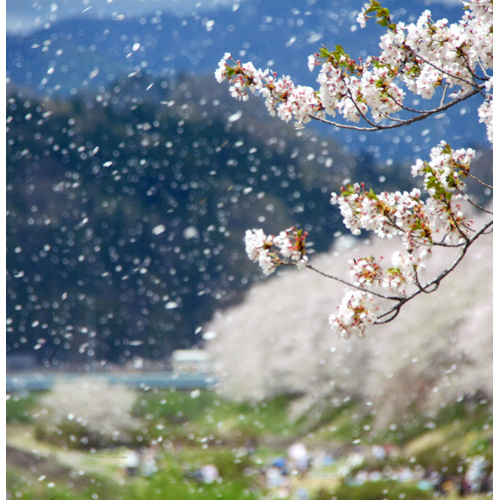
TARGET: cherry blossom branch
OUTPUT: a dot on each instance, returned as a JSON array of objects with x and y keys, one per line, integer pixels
[
  {"x": 422, "y": 56},
  {"x": 457, "y": 226},
  {"x": 486, "y": 76},
  {"x": 471, "y": 71},
  {"x": 340, "y": 280},
  {"x": 428, "y": 288},
  {"x": 411, "y": 110},
  {"x": 420, "y": 287},
  {"x": 442, "y": 70},
  {"x": 423, "y": 116},
  {"x": 443, "y": 97},
  {"x": 480, "y": 181},
  {"x": 479, "y": 207},
  {"x": 446, "y": 245},
  {"x": 437, "y": 281}
]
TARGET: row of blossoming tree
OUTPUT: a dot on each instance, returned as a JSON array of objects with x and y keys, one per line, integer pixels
[{"x": 423, "y": 58}]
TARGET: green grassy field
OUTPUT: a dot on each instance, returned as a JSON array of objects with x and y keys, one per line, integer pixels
[{"x": 196, "y": 428}]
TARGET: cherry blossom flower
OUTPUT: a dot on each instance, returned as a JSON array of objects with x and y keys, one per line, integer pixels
[
  {"x": 271, "y": 251},
  {"x": 291, "y": 244},
  {"x": 353, "y": 315},
  {"x": 362, "y": 17},
  {"x": 221, "y": 72},
  {"x": 258, "y": 247},
  {"x": 365, "y": 272}
]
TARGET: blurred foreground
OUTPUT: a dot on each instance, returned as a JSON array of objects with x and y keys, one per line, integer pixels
[{"x": 89, "y": 440}]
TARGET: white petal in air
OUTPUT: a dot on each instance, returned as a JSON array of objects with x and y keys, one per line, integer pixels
[{"x": 158, "y": 229}]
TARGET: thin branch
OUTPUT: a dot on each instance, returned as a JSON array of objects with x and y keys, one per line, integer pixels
[
  {"x": 441, "y": 70},
  {"x": 447, "y": 245},
  {"x": 445, "y": 273},
  {"x": 423, "y": 289},
  {"x": 457, "y": 225},
  {"x": 437, "y": 281},
  {"x": 394, "y": 311},
  {"x": 471, "y": 71},
  {"x": 479, "y": 207},
  {"x": 392, "y": 118},
  {"x": 443, "y": 97},
  {"x": 351, "y": 285},
  {"x": 397, "y": 125},
  {"x": 487, "y": 77},
  {"x": 480, "y": 181},
  {"x": 406, "y": 108}
]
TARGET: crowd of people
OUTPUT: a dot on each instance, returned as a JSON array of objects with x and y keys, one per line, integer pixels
[
  {"x": 282, "y": 476},
  {"x": 141, "y": 461},
  {"x": 277, "y": 476},
  {"x": 477, "y": 476}
]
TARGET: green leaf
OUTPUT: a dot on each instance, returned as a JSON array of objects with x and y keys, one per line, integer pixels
[
  {"x": 324, "y": 52},
  {"x": 447, "y": 149},
  {"x": 393, "y": 270}
]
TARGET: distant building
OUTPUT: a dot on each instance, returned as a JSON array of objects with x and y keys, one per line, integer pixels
[{"x": 191, "y": 360}]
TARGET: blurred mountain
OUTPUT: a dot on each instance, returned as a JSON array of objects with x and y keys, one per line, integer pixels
[
  {"x": 438, "y": 349},
  {"x": 125, "y": 218}
]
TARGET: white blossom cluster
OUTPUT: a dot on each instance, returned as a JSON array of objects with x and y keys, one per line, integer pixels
[
  {"x": 485, "y": 111},
  {"x": 386, "y": 214},
  {"x": 403, "y": 214},
  {"x": 366, "y": 272},
  {"x": 354, "y": 95},
  {"x": 354, "y": 314},
  {"x": 258, "y": 247},
  {"x": 445, "y": 170},
  {"x": 282, "y": 97},
  {"x": 424, "y": 57},
  {"x": 271, "y": 251}
]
